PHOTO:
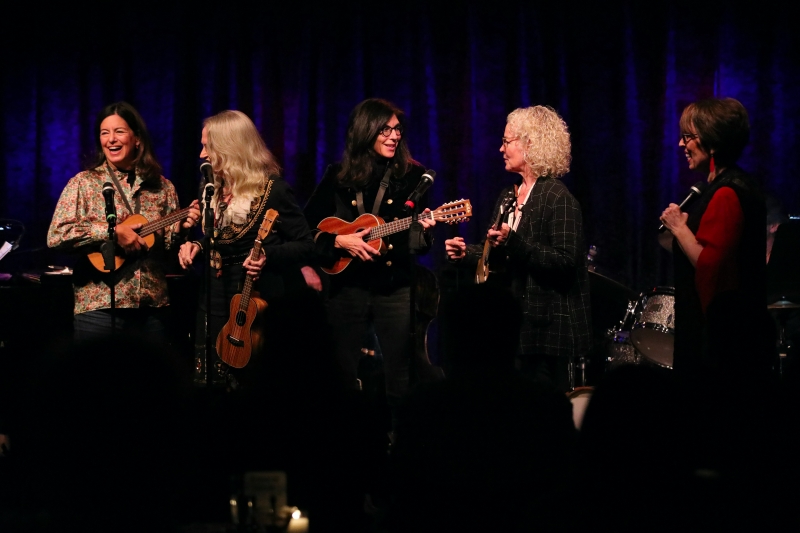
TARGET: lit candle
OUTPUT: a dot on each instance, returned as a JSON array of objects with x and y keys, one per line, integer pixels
[{"x": 298, "y": 523}]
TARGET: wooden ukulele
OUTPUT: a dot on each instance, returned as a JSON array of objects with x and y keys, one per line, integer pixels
[
  {"x": 146, "y": 232},
  {"x": 482, "y": 272},
  {"x": 451, "y": 212},
  {"x": 241, "y": 336}
]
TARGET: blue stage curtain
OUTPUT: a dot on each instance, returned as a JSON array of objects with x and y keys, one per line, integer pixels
[{"x": 619, "y": 74}]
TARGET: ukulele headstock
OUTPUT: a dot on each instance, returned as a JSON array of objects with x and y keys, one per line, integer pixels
[
  {"x": 452, "y": 212},
  {"x": 508, "y": 204},
  {"x": 266, "y": 226}
]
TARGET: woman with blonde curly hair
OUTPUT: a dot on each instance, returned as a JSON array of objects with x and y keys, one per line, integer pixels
[
  {"x": 247, "y": 183},
  {"x": 540, "y": 240}
]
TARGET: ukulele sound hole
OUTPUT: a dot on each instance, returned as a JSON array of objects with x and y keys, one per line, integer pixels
[{"x": 241, "y": 318}]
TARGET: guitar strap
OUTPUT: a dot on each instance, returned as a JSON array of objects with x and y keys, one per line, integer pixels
[
  {"x": 122, "y": 194},
  {"x": 378, "y": 197}
]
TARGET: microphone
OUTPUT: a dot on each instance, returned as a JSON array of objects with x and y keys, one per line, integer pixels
[
  {"x": 108, "y": 194},
  {"x": 207, "y": 171},
  {"x": 424, "y": 183},
  {"x": 696, "y": 190}
]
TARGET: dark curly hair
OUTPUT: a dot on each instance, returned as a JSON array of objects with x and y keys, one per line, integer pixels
[{"x": 145, "y": 161}]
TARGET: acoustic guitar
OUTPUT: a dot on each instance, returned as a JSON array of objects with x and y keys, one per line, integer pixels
[
  {"x": 241, "y": 336},
  {"x": 146, "y": 232},
  {"x": 482, "y": 272},
  {"x": 450, "y": 213}
]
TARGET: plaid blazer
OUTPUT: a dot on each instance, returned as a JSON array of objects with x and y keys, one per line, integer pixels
[{"x": 546, "y": 266}]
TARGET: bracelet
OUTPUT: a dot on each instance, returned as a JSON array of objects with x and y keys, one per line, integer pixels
[{"x": 198, "y": 245}]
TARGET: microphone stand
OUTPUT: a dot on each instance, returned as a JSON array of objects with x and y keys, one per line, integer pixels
[
  {"x": 416, "y": 242},
  {"x": 208, "y": 242},
  {"x": 107, "y": 249}
]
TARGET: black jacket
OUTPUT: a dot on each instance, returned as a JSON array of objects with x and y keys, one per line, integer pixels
[
  {"x": 330, "y": 199},
  {"x": 546, "y": 267},
  {"x": 287, "y": 247}
]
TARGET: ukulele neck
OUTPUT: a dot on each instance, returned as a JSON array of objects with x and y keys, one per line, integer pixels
[
  {"x": 395, "y": 226},
  {"x": 247, "y": 289}
]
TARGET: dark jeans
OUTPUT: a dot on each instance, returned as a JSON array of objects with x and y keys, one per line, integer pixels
[
  {"x": 547, "y": 368},
  {"x": 148, "y": 322},
  {"x": 350, "y": 311}
]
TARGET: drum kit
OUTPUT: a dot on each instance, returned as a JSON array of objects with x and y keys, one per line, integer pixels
[{"x": 645, "y": 334}]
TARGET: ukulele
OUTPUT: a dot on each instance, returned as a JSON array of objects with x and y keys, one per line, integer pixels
[
  {"x": 146, "y": 232},
  {"x": 239, "y": 338},
  {"x": 450, "y": 213},
  {"x": 482, "y": 272}
]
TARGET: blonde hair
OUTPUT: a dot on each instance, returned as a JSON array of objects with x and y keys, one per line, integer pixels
[
  {"x": 545, "y": 140},
  {"x": 238, "y": 154}
]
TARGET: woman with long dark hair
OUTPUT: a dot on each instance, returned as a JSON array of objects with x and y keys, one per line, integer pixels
[
  {"x": 376, "y": 175},
  {"x": 124, "y": 157}
]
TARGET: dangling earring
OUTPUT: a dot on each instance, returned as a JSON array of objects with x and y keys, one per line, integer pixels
[{"x": 712, "y": 167}]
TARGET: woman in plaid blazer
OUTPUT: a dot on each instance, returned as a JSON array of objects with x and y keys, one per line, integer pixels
[{"x": 541, "y": 244}]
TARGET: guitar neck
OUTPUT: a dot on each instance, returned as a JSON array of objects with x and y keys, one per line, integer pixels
[
  {"x": 395, "y": 226},
  {"x": 172, "y": 218},
  {"x": 498, "y": 221},
  {"x": 505, "y": 208}
]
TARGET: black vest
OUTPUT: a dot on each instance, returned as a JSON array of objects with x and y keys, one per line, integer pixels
[{"x": 689, "y": 318}]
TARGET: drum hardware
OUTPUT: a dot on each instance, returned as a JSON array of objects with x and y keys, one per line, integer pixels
[
  {"x": 626, "y": 322},
  {"x": 578, "y": 372},
  {"x": 780, "y": 308}
]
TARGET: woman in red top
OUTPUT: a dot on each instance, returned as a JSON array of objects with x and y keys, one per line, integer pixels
[{"x": 719, "y": 243}]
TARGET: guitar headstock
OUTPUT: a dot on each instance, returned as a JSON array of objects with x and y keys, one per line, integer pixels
[
  {"x": 452, "y": 212},
  {"x": 508, "y": 203},
  {"x": 266, "y": 226}
]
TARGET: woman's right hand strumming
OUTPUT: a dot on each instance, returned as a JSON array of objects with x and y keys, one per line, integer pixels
[
  {"x": 356, "y": 245},
  {"x": 456, "y": 248},
  {"x": 129, "y": 240}
]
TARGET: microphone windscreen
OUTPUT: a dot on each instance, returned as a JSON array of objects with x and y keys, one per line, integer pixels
[{"x": 700, "y": 187}]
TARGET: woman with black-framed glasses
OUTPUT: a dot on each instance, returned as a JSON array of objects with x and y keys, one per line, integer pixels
[
  {"x": 718, "y": 244},
  {"x": 376, "y": 175}
]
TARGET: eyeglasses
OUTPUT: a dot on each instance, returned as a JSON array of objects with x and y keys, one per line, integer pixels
[
  {"x": 506, "y": 142},
  {"x": 387, "y": 130},
  {"x": 686, "y": 137}
]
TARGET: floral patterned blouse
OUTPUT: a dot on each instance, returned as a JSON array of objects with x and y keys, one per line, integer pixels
[{"x": 79, "y": 224}]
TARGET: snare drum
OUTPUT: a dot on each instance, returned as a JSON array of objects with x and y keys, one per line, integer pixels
[{"x": 654, "y": 328}]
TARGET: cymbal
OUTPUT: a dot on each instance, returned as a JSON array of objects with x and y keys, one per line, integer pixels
[
  {"x": 783, "y": 304},
  {"x": 609, "y": 287}
]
